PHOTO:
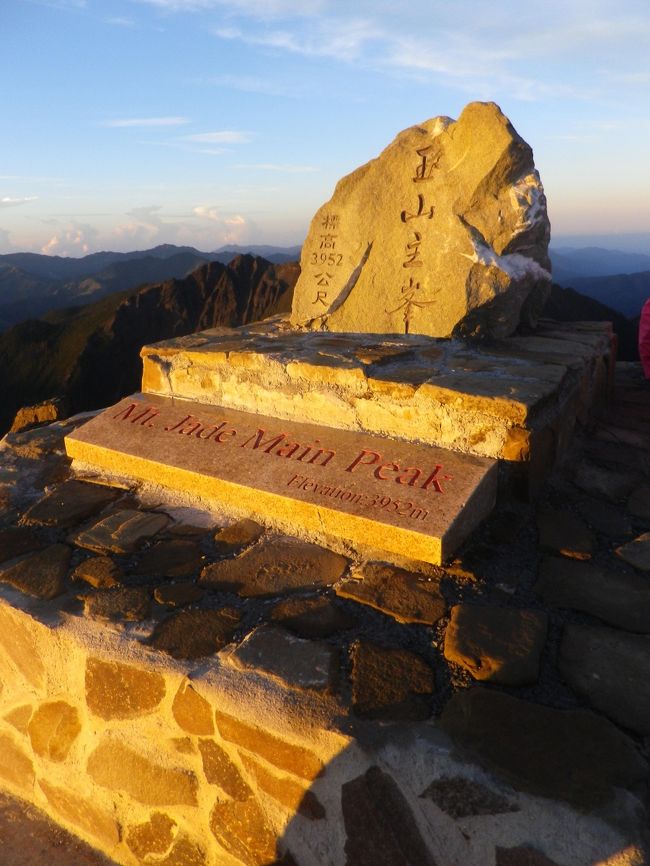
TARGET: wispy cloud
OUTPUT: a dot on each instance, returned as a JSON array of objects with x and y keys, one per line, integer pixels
[
  {"x": 224, "y": 136},
  {"x": 119, "y": 21},
  {"x": 136, "y": 122},
  {"x": 286, "y": 168},
  {"x": 262, "y": 9},
  {"x": 231, "y": 229},
  {"x": 8, "y": 201},
  {"x": 249, "y": 84},
  {"x": 76, "y": 239}
]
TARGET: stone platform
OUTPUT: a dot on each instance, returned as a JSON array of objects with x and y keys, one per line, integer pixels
[
  {"x": 184, "y": 690},
  {"x": 516, "y": 400}
]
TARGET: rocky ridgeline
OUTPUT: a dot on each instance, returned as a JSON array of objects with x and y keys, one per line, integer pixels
[{"x": 530, "y": 651}]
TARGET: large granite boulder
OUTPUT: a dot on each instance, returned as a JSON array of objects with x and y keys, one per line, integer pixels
[{"x": 445, "y": 234}]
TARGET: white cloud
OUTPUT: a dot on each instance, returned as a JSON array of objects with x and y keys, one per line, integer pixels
[
  {"x": 231, "y": 229},
  {"x": 76, "y": 239},
  {"x": 119, "y": 21},
  {"x": 145, "y": 226},
  {"x": 225, "y": 136},
  {"x": 8, "y": 201},
  {"x": 208, "y": 213},
  {"x": 146, "y": 121}
]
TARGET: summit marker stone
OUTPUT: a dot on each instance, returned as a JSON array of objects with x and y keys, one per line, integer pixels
[{"x": 445, "y": 234}]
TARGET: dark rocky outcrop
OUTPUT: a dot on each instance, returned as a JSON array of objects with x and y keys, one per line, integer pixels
[{"x": 90, "y": 354}]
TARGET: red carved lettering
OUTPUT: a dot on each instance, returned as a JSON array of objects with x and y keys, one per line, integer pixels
[
  {"x": 319, "y": 452},
  {"x": 146, "y": 415},
  {"x": 214, "y": 428},
  {"x": 389, "y": 467},
  {"x": 409, "y": 476},
  {"x": 180, "y": 424},
  {"x": 359, "y": 460},
  {"x": 433, "y": 479},
  {"x": 287, "y": 450},
  {"x": 265, "y": 446}
]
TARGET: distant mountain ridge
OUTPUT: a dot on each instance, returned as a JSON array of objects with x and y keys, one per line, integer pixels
[
  {"x": 31, "y": 284},
  {"x": 576, "y": 262},
  {"x": 90, "y": 354}
]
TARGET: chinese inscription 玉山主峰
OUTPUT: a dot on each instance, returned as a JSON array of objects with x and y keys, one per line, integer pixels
[
  {"x": 410, "y": 293},
  {"x": 326, "y": 258}
]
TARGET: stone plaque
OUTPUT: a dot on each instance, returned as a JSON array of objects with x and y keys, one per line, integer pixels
[
  {"x": 445, "y": 233},
  {"x": 413, "y": 500}
]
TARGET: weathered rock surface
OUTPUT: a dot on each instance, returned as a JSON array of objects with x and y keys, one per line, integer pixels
[
  {"x": 401, "y": 594},
  {"x": 16, "y": 540},
  {"x": 277, "y": 567},
  {"x": 119, "y": 768},
  {"x": 122, "y": 531},
  {"x": 573, "y": 755},
  {"x": 41, "y": 413},
  {"x": 153, "y": 838},
  {"x": 176, "y": 557},
  {"x": 637, "y": 552},
  {"x": 501, "y": 645},
  {"x": 311, "y": 617},
  {"x": 444, "y": 233},
  {"x": 379, "y": 824},
  {"x": 69, "y": 503},
  {"x": 82, "y": 814},
  {"x": 303, "y": 664},
  {"x": 178, "y": 594},
  {"x": 608, "y": 483},
  {"x": 191, "y": 634},
  {"x": 241, "y": 828},
  {"x": 391, "y": 684},
  {"x": 285, "y": 791},
  {"x": 220, "y": 770},
  {"x": 462, "y": 798},
  {"x": 119, "y": 691},
  {"x": 192, "y": 712},
  {"x": 53, "y": 729},
  {"x": 41, "y": 574},
  {"x": 131, "y": 603},
  {"x": 99, "y": 571},
  {"x": 238, "y": 535},
  {"x": 563, "y": 532},
  {"x": 15, "y": 767},
  {"x": 622, "y": 600},
  {"x": 610, "y": 669},
  {"x": 283, "y": 755}
]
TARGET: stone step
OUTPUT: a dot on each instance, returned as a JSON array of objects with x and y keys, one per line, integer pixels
[
  {"x": 337, "y": 486},
  {"x": 516, "y": 400}
]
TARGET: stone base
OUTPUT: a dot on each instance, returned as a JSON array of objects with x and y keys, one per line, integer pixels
[
  {"x": 187, "y": 692},
  {"x": 516, "y": 400}
]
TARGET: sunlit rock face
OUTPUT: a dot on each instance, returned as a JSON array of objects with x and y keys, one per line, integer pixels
[{"x": 445, "y": 233}]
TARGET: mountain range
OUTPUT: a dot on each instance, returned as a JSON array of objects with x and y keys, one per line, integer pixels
[
  {"x": 89, "y": 317},
  {"x": 31, "y": 284},
  {"x": 90, "y": 353}
]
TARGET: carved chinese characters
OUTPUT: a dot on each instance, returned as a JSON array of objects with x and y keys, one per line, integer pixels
[
  {"x": 326, "y": 259},
  {"x": 445, "y": 234}
]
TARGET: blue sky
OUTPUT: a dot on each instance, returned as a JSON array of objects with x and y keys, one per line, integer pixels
[{"x": 128, "y": 123}]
